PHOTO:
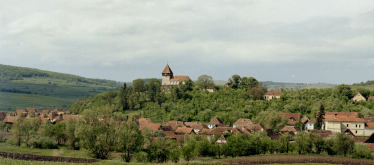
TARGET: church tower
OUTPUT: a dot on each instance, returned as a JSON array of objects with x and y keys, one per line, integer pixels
[{"x": 167, "y": 74}]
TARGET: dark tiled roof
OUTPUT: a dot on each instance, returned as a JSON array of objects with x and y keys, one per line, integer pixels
[
  {"x": 170, "y": 134},
  {"x": 222, "y": 130},
  {"x": 175, "y": 124},
  {"x": 322, "y": 133}
]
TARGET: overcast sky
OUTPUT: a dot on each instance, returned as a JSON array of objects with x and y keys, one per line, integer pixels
[{"x": 271, "y": 40}]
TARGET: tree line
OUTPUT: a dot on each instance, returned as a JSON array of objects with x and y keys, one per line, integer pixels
[{"x": 102, "y": 137}]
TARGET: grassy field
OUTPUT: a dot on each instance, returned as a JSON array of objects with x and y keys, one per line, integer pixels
[{"x": 371, "y": 87}]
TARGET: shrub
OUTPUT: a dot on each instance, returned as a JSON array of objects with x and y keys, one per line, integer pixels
[
  {"x": 141, "y": 157},
  {"x": 42, "y": 142},
  {"x": 12, "y": 141},
  {"x": 361, "y": 151}
]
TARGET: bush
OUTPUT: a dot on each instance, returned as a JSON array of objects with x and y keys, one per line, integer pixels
[
  {"x": 12, "y": 141},
  {"x": 42, "y": 142},
  {"x": 361, "y": 151},
  {"x": 141, "y": 157}
]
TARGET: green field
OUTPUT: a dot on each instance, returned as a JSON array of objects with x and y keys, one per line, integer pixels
[{"x": 371, "y": 87}]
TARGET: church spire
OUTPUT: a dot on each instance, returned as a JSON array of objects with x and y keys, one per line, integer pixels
[{"x": 167, "y": 70}]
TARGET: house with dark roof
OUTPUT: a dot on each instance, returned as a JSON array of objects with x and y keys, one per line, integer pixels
[
  {"x": 175, "y": 124},
  {"x": 292, "y": 117},
  {"x": 169, "y": 80},
  {"x": 182, "y": 131},
  {"x": 214, "y": 122},
  {"x": 273, "y": 94}
]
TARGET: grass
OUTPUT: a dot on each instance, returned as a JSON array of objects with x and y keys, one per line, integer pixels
[{"x": 371, "y": 87}]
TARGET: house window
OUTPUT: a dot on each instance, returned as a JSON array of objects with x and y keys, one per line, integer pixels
[
  {"x": 359, "y": 126},
  {"x": 347, "y": 125},
  {"x": 356, "y": 125},
  {"x": 356, "y": 132}
]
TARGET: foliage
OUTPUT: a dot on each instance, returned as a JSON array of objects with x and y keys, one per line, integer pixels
[
  {"x": 204, "y": 81},
  {"x": 129, "y": 140},
  {"x": 343, "y": 144},
  {"x": 188, "y": 150},
  {"x": 285, "y": 142},
  {"x": 361, "y": 151},
  {"x": 98, "y": 137},
  {"x": 318, "y": 124},
  {"x": 271, "y": 119}
]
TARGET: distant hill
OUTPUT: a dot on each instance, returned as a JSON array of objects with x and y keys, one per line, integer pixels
[
  {"x": 277, "y": 85},
  {"x": 22, "y": 87}
]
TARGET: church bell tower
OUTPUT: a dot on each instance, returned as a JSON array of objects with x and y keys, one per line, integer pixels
[{"x": 167, "y": 74}]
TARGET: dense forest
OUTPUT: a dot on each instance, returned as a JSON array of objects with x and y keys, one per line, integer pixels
[
  {"x": 190, "y": 103},
  {"x": 367, "y": 83}
]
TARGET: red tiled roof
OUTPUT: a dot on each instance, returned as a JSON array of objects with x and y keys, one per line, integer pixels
[
  {"x": 205, "y": 130},
  {"x": 170, "y": 134},
  {"x": 304, "y": 119},
  {"x": 273, "y": 92},
  {"x": 370, "y": 146},
  {"x": 179, "y": 78},
  {"x": 167, "y": 69},
  {"x": 144, "y": 120},
  {"x": 312, "y": 121},
  {"x": 188, "y": 124},
  {"x": 215, "y": 120},
  {"x": 243, "y": 121},
  {"x": 289, "y": 129},
  {"x": 199, "y": 126},
  {"x": 66, "y": 118},
  {"x": 292, "y": 117},
  {"x": 369, "y": 119},
  {"x": 175, "y": 124},
  {"x": 181, "y": 130},
  {"x": 343, "y": 118},
  {"x": 152, "y": 126},
  {"x": 9, "y": 119},
  {"x": 322, "y": 133},
  {"x": 370, "y": 125},
  {"x": 222, "y": 137},
  {"x": 223, "y": 129}
]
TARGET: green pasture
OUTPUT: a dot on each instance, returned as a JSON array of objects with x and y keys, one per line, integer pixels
[{"x": 371, "y": 87}]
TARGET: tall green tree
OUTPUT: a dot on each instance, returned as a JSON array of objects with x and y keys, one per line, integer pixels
[
  {"x": 129, "y": 140},
  {"x": 234, "y": 81},
  {"x": 204, "y": 81},
  {"x": 344, "y": 91},
  {"x": 343, "y": 144},
  {"x": 139, "y": 85},
  {"x": 320, "y": 115},
  {"x": 154, "y": 90}
]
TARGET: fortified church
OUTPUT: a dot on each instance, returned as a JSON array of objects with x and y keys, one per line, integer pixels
[{"x": 169, "y": 80}]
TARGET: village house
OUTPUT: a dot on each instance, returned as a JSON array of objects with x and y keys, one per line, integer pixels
[
  {"x": 338, "y": 122},
  {"x": 310, "y": 124},
  {"x": 182, "y": 131},
  {"x": 221, "y": 139},
  {"x": 292, "y": 117},
  {"x": 358, "y": 97},
  {"x": 210, "y": 88},
  {"x": 272, "y": 94},
  {"x": 215, "y": 122},
  {"x": 292, "y": 130},
  {"x": 175, "y": 124},
  {"x": 243, "y": 122}
]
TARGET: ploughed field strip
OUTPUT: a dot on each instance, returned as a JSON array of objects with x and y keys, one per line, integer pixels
[
  {"x": 19, "y": 156},
  {"x": 289, "y": 159}
]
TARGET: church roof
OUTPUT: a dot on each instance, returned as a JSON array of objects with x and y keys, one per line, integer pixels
[
  {"x": 167, "y": 69},
  {"x": 179, "y": 78}
]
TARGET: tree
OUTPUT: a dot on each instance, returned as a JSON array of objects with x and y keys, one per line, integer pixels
[
  {"x": 70, "y": 134},
  {"x": 249, "y": 82},
  {"x": 343, "y": 144},
  {"x": 257, "y": 93},
  {"x": 154, "y": 90},
  {"x": 304, "y": 143},
  {"x": 17, "y": 130},
  {"x": 98, "y": 137},
  {"x": 204, "y": 81},
  {"x": 129, "y": 140},
  {"x": 285, "y": 142},
  {"x": 59, "y": 132},
  {"x": 344, "y": 91},
  {"x": 139, "y": 85},
  {"x": 188, "y": 150},
  {"x": 234, "y": 81},
  {"x": 272, "y": 119},
  {"x": 319, "y": 118}
]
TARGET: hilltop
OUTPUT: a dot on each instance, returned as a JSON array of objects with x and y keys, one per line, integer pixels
[{"x": 22, "y": 87}]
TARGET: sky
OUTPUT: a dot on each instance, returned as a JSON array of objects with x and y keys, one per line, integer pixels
[{"x": 329, "y": 41}]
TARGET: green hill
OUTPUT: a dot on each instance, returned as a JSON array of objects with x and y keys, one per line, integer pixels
[{"x": 22, "y": 87}]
